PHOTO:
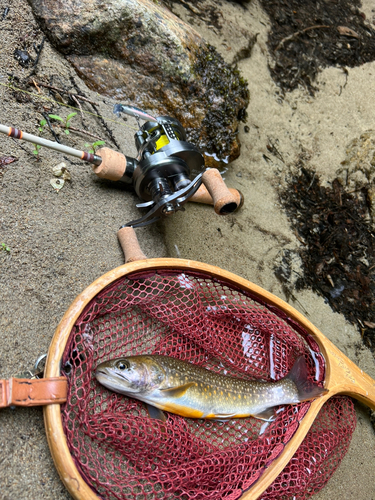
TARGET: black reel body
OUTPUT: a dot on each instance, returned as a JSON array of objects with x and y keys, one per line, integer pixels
[{"x": 161, "y": 172}]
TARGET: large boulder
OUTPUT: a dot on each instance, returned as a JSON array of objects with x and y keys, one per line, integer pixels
[{"x": 140, "y": 53}]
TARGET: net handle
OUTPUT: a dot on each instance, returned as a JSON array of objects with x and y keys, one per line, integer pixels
[
  {"x": 342, "y": 377},
  {"x": 32, "y": 392}
]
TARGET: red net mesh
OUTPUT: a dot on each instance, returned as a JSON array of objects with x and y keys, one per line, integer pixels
[{"x": 124, "y": 454}]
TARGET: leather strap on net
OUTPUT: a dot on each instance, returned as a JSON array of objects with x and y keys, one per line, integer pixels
[{"x": 32, "y": 392}]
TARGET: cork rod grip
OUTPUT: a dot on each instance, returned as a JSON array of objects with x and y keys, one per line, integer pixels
[
  {"x": 224, "y": 201},
  {"x": 129, "y": 244},
  {"x": 113, "y": 165}
]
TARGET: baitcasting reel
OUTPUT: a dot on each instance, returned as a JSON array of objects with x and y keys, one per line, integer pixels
[{"x": 161, "y": 172}]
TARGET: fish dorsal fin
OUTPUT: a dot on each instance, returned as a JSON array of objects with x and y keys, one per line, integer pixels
[
  {"x": 177, "y": 391},
  {"x": 267, "y": 415}
]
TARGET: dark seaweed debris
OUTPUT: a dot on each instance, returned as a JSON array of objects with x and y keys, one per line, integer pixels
[
  {"x": 306, "y": 36},
  {"x": 338, "y": 253}
]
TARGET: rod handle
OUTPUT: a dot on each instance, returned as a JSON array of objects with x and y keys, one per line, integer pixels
[
  {"x": 130, "y": 245},
  {"x": 113, "y": 164},
  {"x": 224, "y": 201}
]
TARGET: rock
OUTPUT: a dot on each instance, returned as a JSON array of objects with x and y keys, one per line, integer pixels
[
  {"x": 139, "y": 53},
  {"x": 357, "y": 173},
  {"x": 358, "y": 168}
]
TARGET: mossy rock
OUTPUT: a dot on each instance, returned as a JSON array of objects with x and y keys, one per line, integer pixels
[{"x": 139, "y": 53}]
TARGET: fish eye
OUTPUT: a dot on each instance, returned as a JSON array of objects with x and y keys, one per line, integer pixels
[{"x": 122, "y": 365}]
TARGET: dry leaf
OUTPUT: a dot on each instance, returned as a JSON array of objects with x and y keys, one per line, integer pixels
[
  {"x": 57, "y": 184},
  {"x": 59, "y": 169},
  {"x": 343, "y": 30},
  {"x": 5, "y": 160}
]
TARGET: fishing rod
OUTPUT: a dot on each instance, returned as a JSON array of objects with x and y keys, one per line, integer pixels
[
  {"x": 34, "y": 139},
  {"x": 160, "y": 174}
]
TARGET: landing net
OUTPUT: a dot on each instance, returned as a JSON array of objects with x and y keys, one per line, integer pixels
[{"x": 122, "y": 453}]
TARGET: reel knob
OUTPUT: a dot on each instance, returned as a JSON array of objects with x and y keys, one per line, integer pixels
[{"x": 225, "y": 201}]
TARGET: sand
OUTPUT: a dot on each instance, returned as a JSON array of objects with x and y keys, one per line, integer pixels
[{"x": 60, "y": 242}]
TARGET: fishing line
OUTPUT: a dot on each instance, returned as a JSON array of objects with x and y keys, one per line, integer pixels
[{"x": 45, "y": 98}]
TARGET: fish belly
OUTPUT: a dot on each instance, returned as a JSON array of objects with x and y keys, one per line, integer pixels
[{"x": 214, "y": 404}]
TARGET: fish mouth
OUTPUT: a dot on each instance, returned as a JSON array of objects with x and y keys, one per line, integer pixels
[
  {"x": 113, "y": 376},
  {"x": 101, "y": 372}
]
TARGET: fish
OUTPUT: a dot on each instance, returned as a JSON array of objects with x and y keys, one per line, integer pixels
[{"x": 169, "y": 384}]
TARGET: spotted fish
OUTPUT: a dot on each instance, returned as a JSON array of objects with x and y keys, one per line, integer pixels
[{"x": 191, "y": 391}]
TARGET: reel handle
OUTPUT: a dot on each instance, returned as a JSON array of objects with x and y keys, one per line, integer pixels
[
  {"x": 225, "y": 201},
  {"x": 203, "y": 196},
  {"x": 130, "y": 245}
]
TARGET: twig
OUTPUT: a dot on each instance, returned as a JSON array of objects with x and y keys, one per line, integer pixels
[
  {"x": 74, "y": 129},
  {"x": 297, "y": 33},
  {"x": 46, "y": 117},
  {"x": 99, "y": 117},
  {"x": 109, "y": 131},
  {"x": 190, "y": 7},
  {"x": 77, "y": 96},
  {"x": 38, "y": 51},
  {"x": 18, "y": 143},
  {"x": 36, "y": 86},
  {"x": 299, "y": 239},
  {"x": 5, "y": 13},
  {"x": 311, "y": 183},
  {"x": 79, "y": 105}
]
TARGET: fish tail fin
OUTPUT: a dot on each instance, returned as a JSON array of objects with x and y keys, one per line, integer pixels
[{"x": 306, "y": 389}]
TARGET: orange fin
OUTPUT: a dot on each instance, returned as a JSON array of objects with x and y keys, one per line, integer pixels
[
  {"x": 306, "y": 389},
  {"x": 178, "y": 391}
]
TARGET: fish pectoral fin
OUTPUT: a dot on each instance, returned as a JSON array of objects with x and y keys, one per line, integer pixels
[
  {"x": 178, "y": 391},
  {"x": 156, "y": 413},
  {"x": 267, "y": 415}
]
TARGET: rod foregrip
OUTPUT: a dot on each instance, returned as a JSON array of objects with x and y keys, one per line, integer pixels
[
  {"x": 113, "y": 165},
  {"x": 130, "y": 245},
  {"x": 225, "y": 201}
]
